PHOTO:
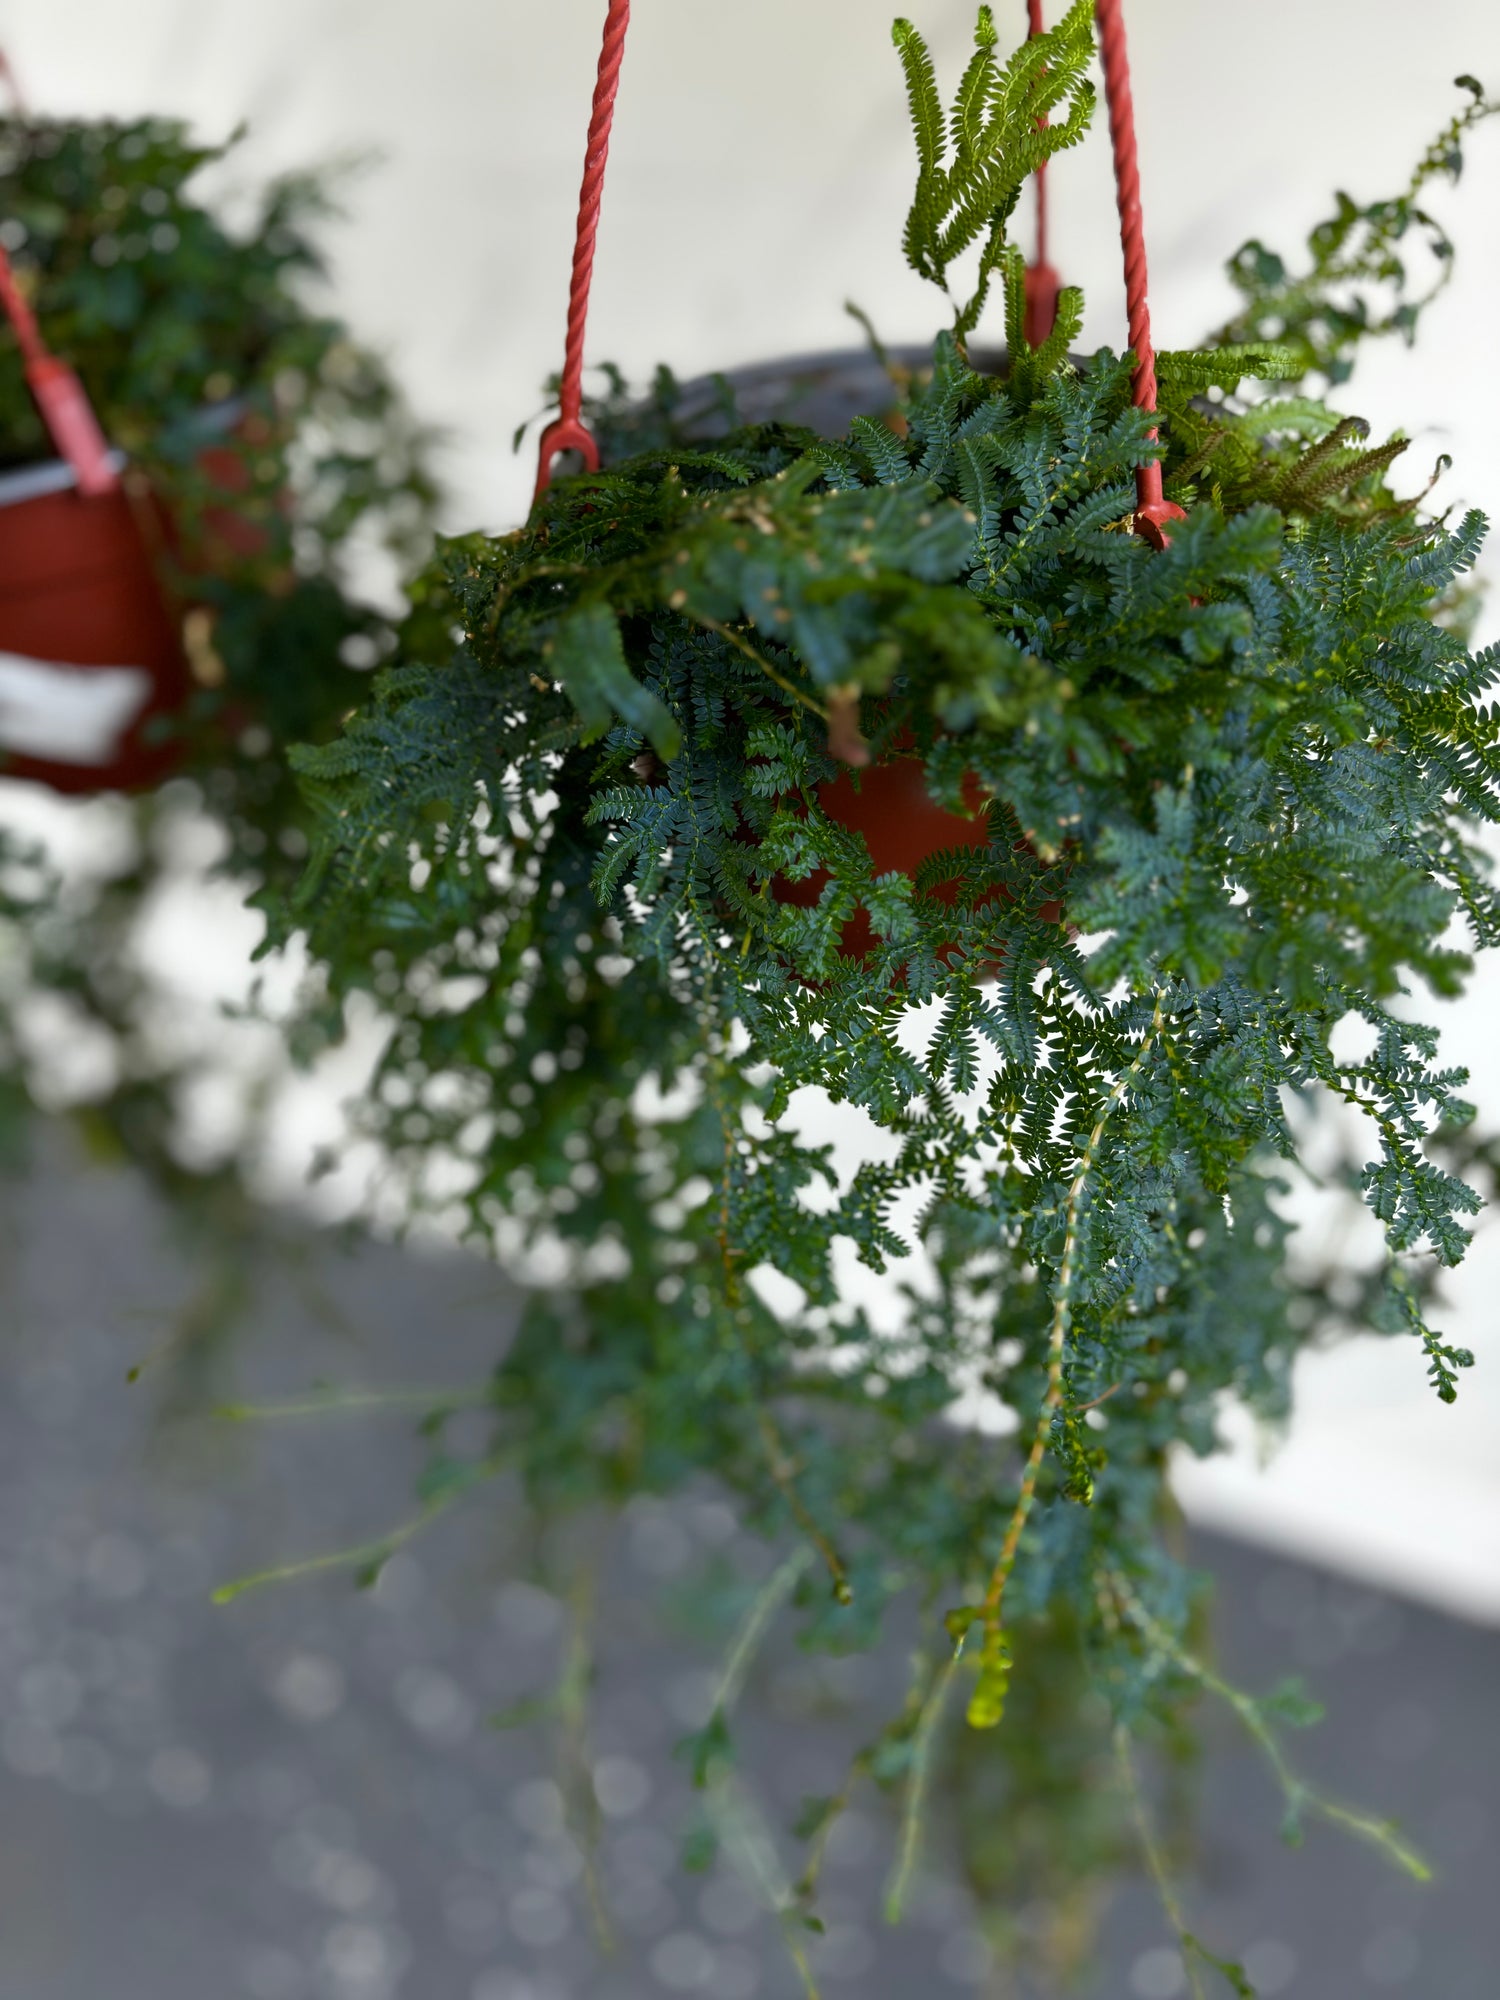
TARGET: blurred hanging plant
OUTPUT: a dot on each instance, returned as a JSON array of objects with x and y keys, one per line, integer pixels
[
  {"x": 284, "y": 459},
  {"x": 278, "y": 446},
  {"x": 1231, "y": 792}
]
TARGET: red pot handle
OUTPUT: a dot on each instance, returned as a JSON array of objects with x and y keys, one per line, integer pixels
[
  {"x": 60, "y": 396},
  {"x": 1153, "y": 511},
  {"x": 12, "y": 83},
  {"x": 568, "y": 432}
]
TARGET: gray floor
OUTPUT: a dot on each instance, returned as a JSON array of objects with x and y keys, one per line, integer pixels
[{"x": 300, "y": 1796}]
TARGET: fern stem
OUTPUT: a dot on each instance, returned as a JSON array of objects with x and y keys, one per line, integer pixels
[
  {"x": 913, "y": 1811},
  {"x": 1156, "y": 1861},
  {"x": 1296, "y": 1791},
  {"x": 741, "y": 644},
  {"x": 337, "y": 1402},
  {"x": 573, "y": 1709},
  {"x": 784, "y": 1472},
  {"x": 777, "y": 1588},
  {"x": 1062, "y": 1319},
  {"x": 361, "y": 1556},
  {"x": 838, "y": 1805}
]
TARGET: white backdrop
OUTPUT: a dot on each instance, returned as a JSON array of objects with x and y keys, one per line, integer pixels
[{"x": 758, "y": 179}]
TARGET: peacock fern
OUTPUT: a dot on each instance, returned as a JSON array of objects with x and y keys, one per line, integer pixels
[{"x": 1233, "y": 791}]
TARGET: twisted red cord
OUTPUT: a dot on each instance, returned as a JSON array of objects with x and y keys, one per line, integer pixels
[
  {"x": 1152, "y": 509},
  {"x": 18, "y": 312},
  {"x": 568, "y": 432},
  {"x": 1042, "y": 282},
  {"x": 11, "y": 82},
  {"x": 1036, "y": 25},
  {"x": 60, "y": 396}
]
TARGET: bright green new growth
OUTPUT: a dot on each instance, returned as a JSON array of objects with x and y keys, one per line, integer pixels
[
  {"x": 1233, "y": 791},
  {"x": 973, "y": 164}
]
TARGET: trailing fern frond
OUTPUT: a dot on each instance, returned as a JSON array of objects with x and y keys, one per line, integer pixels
[{"x": 1355, "y": 284}]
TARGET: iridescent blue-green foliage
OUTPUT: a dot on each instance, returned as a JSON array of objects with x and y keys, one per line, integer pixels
[{"x": 1235, "y": 789}]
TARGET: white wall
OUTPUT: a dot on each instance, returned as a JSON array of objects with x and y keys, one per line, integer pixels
[{"x": 758, "y": 179}]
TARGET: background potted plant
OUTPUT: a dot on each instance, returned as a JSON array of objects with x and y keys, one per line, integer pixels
[
  {"x": 267, "y": 484},
  {"x": 269, "y": 453}
]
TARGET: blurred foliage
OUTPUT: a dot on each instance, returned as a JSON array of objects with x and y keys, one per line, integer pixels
[
  {"x": 276, "y": 444},
  {"x": 1356, "y": 284},
  {"x": 290, "y": 474}
]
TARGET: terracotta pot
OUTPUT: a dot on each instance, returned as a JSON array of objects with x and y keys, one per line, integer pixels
[
  {"x": 902, "y": 826},
  {"x": 224, "y": 534},
  {"x": 92, "y": 651},
  {"x": 90, "y": 654},
  {"x": 888, "y": 803}
]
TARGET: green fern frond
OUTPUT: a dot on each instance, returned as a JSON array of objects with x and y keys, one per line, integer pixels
[
  {"x": 922, "y": 94},
  {"x": 1001, "y": 128},
  {"x": 1225, "y": 367}
]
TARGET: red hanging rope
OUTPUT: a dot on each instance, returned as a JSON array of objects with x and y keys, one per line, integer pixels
[
  {"x": 568, "y": 431},
  {"x": 1152, "y": 509},
  {"x": 11, "y": 82},
  {"x": 1042, "y": 282},
  {"x": 60, "y": 396}
]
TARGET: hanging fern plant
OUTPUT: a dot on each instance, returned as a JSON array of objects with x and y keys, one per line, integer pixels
[{"x": 580, "y": 844}]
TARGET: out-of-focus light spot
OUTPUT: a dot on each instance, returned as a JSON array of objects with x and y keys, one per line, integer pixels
[
  {"x": 179, "y": 1777},
  {"x": 621, "y": 1786},
  {"x": 435, "y": 1704},
  {"x": 539, "y": 1918},
  {"x": 1270, "y": 1966},
  {"x": 310, "y": 1688},
  {"x": 1391, "y": 1956},
  {"x": 1157, "y": 1974}
]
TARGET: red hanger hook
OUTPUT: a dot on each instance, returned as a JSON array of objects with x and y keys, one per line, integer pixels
[
  {"x": 60, "y": 396},
  {"x": 568, "y": 432},
  {"x": 1153, "y": 511},
  {"x": 11, "y": 82}
]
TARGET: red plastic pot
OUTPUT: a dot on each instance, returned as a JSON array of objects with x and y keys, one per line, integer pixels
[
  {"x": 902, "y": 825},
  {"x": 888, "y": 803},
  {"x": 224, "y": 532},
  {"x": 90, "y": 654}
]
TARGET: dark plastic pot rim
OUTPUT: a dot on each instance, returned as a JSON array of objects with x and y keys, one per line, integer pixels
[{"x": 53, "y": 475}]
